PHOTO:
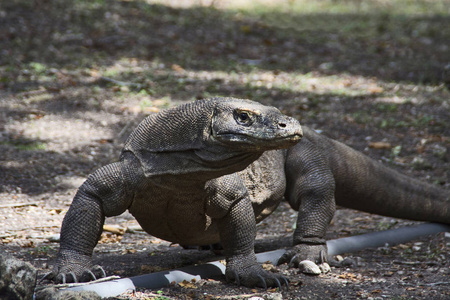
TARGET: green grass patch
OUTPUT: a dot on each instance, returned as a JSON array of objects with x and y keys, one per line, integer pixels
[{"x": 26, "y": 145}]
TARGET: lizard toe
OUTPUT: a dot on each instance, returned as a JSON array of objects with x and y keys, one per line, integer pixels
[
  {"x": 233, "y": 276},
  {"x": 73, "y": 276},
  {"x": 87, "y": 276},
  {"x": 47, "y": 276},
  {"x": 98, "y": 271},
  {"x": 286, "y": 257},
  {"x": 285, "y": 281},
  {"x": 264, "y": 284}
]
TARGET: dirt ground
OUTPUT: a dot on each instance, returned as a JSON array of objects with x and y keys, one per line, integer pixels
[{"x": 77, "y": 77}]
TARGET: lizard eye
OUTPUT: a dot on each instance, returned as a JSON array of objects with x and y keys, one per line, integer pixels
[{"x": 244, "y": 118}]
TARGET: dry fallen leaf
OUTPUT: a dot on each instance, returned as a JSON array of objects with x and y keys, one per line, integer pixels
[
  {"x": 380, "y": 145},
  {"x": 108, "y": 237},
  {"x": 375, "y": 89},
  {"x": 268, "y": 267},
  {"x": 348, "y": 276},
  {"x": 150, "y": 109},
  {"x": 177, "y": 68},
  {"x": 188, "y": 284},
  {"x": 127, "y": 251},
  {"x": 116, "y": 229}
]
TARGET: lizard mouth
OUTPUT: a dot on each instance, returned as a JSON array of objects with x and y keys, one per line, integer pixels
[{"x": 259, "y": 141}]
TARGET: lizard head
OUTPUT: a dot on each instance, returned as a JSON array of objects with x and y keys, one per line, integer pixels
[{"x": 251, "y": 126}]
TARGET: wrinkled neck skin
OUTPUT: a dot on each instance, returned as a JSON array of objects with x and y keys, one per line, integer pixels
[
  {"x": 197, "y": 166},
  {"x": 218, "y": 160}
]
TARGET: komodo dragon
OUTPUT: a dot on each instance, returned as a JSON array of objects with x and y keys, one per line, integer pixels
[{"x": 209, "y": 170}]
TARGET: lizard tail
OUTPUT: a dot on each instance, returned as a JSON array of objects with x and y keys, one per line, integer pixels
[{"x": 367, "y": 185}]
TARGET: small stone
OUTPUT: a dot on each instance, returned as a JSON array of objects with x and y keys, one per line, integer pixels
[
  {"x": 54, "y": 238},
  {"x": 309, "y": 267},
  {"x": 419, "y": 163},
  {"x": 325, "y": 268},
  {"x": 339, "y": 258},
  {"x": 439, "y": 151}
]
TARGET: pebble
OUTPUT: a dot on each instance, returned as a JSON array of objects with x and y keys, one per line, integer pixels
[
  {"x": 54, "y": 238},
  {"x": 309, "y": 267}
]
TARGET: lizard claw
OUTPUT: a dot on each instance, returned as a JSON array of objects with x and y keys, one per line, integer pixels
[
  {"x": 99, "y": 271},
  {"x": 263, "y": 282},
  {"x": 236, "y": 277},
  {"x": 88, "y": 276},
  {"x": 62, "y": 278},
  {"x": 323, "y": 256},
  {"x": 285, "y": 281},
  {"x": 75, "y": 279},
  {"x": 49, "y": 276},
  {"x": 278, "y": 283}
]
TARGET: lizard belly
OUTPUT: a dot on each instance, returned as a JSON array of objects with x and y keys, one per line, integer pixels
[{"x": 174, "y": 216}]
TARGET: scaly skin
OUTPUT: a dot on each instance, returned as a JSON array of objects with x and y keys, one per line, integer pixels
[{"x": 207, "y": 171}]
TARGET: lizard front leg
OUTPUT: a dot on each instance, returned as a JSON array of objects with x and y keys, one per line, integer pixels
[
  {"x": 230, "y": 207},
  {"x": 310, "y": 190},
  {"x": 104, "y": 193}
]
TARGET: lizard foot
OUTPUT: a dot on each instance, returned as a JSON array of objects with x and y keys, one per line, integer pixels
[
  {"x": 74, "y": 267},
  {"x": 310, "y": 259},
  {"x": 66, "y": 275},
  {"x": 254, "y": 276}
]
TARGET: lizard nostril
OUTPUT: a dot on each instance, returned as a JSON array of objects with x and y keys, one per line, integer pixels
[{"x": 282, "y": 125}]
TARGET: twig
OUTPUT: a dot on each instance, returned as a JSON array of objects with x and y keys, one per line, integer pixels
[
  {"x": 59, "y": 286},
  {"x": 7, "y": 236},
  {"x": 18, "y": 204},
  {"x": 124, "y": 129},
  {"x": 121, "y": 83},
  {"x": 41, "y": 90},
  {"x": 241, "y": 296},
  {"x": 437, "y": 283},
  {"x": 415, "y": 263},
  {"x": 33, "y": 228}
]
